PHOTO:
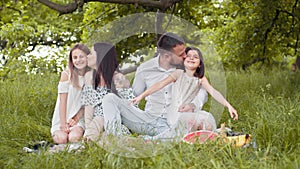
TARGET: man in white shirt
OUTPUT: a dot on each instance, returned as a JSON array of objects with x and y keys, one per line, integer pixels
[{"x": 151, "y": 121}]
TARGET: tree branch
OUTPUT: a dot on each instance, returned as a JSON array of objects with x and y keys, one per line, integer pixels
[
  {"x": 296, "y": 45},
  {"x": 57, "y": 41},
  {"x": 246, "y": 65},
  {"x": 20, "y": 12},
  {"x": 128, "y": 70},
  {"x": 3, "y": 44},
  {"x": 170, "y": 19},
  {"x": 71, "y": 7},
  {"x": 63, "y": 9},
  {"x": 269, "y": 29}
]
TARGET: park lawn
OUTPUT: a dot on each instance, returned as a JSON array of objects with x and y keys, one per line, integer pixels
[{"x": 267, "y": 102}]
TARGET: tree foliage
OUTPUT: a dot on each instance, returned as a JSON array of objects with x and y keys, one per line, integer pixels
[
  {"x": 27, "y": 24},
  {"x": 265, "y": 32},
  {"x": 244, "y": 33}
]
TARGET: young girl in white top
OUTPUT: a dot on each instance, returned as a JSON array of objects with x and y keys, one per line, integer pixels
[
  {"x": 186, "y": 86},
  {"x": 67, "y": 121}
]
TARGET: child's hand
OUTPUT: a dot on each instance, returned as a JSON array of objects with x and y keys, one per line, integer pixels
[
  {"x": 65, "y": 128},
  {"x": 136, "y": 100},
  {"x": 233, "y": 113}
]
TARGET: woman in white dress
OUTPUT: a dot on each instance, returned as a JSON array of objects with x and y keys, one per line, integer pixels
[
  {"x": 67, "y": 121},
  {"x": 186, "y": 86}
]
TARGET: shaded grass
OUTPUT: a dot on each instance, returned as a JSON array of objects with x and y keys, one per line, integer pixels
[{"x": 267, "y": 102}]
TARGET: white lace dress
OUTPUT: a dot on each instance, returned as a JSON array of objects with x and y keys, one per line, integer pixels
[{"x": 73, "y": 103}]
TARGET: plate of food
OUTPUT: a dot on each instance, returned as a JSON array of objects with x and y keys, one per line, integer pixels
[{"x": 200, "y": 136}]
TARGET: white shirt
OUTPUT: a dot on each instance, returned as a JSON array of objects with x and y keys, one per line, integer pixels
[{"x": 149, "y": 73}]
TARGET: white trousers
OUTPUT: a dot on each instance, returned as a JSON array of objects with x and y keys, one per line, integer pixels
[{"x": 117, "y": 111}]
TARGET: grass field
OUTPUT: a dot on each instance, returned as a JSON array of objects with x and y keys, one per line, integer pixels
[{"x": 268, "y": 106}]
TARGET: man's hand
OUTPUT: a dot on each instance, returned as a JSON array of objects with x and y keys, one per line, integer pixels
[{"x": 186, "y": 108}]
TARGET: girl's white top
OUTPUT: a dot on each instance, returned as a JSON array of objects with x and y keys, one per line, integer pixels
[
  {"x": 184, "y": 90},
  {"x": 73, "y": 103}
]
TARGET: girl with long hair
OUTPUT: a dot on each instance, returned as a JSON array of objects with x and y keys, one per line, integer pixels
[{"x": 67, "y": 121}]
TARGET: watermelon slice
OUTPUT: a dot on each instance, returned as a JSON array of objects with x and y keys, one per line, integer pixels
[{"x": 200, "y": 136}]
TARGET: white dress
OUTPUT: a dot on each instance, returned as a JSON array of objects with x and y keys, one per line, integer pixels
[
  {"x": 73, "y": 103},
  {"x": 184, "y": 91}
]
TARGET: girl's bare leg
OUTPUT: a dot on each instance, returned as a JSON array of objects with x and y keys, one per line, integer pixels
[{"x": 60, "y": 137}]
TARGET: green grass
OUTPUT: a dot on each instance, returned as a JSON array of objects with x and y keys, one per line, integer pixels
[{"x": 268, "y": 106}]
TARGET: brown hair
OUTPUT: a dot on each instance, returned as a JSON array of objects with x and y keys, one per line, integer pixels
[
  {"x": 73, "y": 70},
  {"x": 201, "y": 69}
]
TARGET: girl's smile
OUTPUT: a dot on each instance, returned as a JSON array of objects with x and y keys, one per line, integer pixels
[
  {"x": 192, "y": 60},
  {"x": 79, "y": 59}
]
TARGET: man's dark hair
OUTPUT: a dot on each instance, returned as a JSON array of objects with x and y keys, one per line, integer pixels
[{"x": 168, "y": 41}]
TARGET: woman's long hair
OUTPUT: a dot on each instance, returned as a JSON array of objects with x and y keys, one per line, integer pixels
[
  {"x": 201, "y": 69},
  {"x": 73, "y": 70},
  {"x": 106, "y": 64}
]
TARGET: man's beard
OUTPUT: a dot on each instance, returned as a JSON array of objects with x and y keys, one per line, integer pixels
[{"x": 178, "y": 66}]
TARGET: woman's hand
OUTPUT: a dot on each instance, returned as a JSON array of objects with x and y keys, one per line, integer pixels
[
  {"x": 65, "y": 128},
  {"x": 233, "y": 113},
  {"x": 73, "y": 121}
]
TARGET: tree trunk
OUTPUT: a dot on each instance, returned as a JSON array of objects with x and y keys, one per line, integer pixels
[
  {"x": 159, "y": 18},
  {"x": 298, "y": 62}
]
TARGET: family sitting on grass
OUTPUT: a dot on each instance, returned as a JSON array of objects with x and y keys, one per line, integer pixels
[{"x": 95, "y": 98}]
